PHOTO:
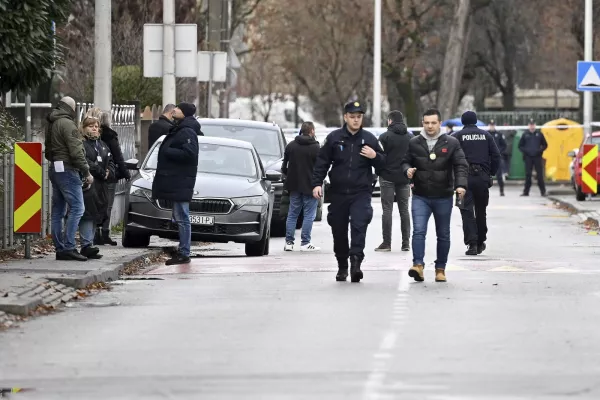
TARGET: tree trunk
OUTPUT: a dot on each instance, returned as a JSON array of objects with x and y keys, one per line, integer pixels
[
  {"x": 401, "y": 96},
  {"x": 508, "y": 98},
  {"x": 453, "y": 61}
]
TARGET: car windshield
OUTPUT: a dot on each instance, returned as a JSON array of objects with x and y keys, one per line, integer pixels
[
  {"x": 595, "y": 140},
  {"x": 218, "y": 159},
  {"x": 266, "y": 141}
]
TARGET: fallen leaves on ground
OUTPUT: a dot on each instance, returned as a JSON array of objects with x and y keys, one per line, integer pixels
[
  {"x": 565, "y": 207},
  {"x": 139, "y": 266},
  {"x": 39, "y": 247}
]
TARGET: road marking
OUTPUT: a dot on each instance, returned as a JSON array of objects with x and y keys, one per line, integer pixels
[
  {"x": 506, "y": 268},
  {"x": 561, "y": 270},
  {"x": 375, "y": 384}
]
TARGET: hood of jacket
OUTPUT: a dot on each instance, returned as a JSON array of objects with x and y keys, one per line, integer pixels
[
  {"x": 398, "y": 128},
  {"x": 62, "y": 110},
  {"x": 108, "y": 133},
  {"x": 305, "y": 140},
  {"x": 188, "y": 122}
]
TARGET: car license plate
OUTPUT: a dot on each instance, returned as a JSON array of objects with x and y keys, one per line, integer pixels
[{"x": 202, "y": 220}]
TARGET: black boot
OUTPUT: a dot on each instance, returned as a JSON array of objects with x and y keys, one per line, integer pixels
[
  {"x": 342, "y": 270},
  {"x": 481, "y": 248},
  {"x": 91, "y": 253},
  {"x": 472, "y": 250},
  {"x": 355, "y": 273},
  {"x": 98, "y": 240},
  {"x": 107, "y": 239}
]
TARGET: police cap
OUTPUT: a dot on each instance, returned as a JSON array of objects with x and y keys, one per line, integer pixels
[
  {"x": 492, "y": 122},
  {"x": 531, "y": 121},
  {"x": 353, "y": 107}
]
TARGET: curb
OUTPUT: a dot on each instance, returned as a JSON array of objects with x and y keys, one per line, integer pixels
[
  {"x": 590, "y": 216},
  {"x": 56, "y": 289}
]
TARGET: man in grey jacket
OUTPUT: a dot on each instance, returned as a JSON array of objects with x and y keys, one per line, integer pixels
[
  {"x": 394, "y": 184},
  {"x": 68, "y": 166}
]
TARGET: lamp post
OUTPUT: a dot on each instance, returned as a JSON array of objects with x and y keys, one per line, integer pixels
[{"x": 377, "y": 66}]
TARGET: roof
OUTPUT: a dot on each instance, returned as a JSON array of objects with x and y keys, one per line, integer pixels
[
  {"x": 219, "y": 141},
  {"x": 237, "y": 122}
]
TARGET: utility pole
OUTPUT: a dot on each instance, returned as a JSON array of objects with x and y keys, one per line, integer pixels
[
  {"x": 377, "y": 66},
  {"x": 169, "y": 87},
  {"x": 588, "y": 105},
  {"x": 103, "y": 55},
  {"x": 28, "y": 138}
]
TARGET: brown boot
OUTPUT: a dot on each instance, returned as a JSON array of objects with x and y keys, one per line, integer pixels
[
  {"x": 416, "y": 272},
  {"x": 440, "y": 275}
]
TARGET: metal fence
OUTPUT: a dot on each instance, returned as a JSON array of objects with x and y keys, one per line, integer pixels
[{"x": 124, "y": 122}]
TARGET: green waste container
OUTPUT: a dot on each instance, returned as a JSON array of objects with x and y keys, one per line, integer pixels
[{"x": 517, "y": 165}]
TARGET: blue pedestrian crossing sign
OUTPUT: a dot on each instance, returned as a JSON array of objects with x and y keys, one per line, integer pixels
[{"x": 588, "y": 79}]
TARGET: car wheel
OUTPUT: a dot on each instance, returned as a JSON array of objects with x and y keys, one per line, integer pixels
[
  {"x": 130, "y": 239},
  {"x": 260, "y": 248},
  {"x": 579, "y": 195},
  {"x": 326, "y": 199},
  {"x": 319, "y": 216}
]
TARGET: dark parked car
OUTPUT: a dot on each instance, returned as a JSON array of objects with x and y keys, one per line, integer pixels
[
  {"x": 233, "y": 198},
  {"x": 270, "y": 142}
]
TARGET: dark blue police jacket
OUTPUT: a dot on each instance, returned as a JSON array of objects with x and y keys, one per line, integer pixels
[
  {"x": 350, "y": 172},
  {"x": 479, "y": 148}
]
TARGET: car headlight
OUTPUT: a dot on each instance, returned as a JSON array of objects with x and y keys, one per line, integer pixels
[
  {"x": 138, "y": 191},
  {"x": 262, "y": 200}
]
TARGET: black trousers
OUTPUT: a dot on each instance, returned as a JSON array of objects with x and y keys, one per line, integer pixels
[
  {"x": 530, "y": 164},
  {"x": 474, "y": 209},
  {"x": 356, "y": 210},
  {"x": 499, "y": 175}
]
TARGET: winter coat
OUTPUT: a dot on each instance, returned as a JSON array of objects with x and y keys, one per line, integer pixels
[
  {"x": 350, "y": 172},
  {"x": 177, "y": 164},
  {"x": 95, "y": 199},
  {"x": 533, "y": 144},
  {"x": 158, "y": 128},
  {"x": 440, "y": 176},
  {"x": 395, "y": 144},
  {"x": 111, "y": 138},
  {"x": 63, "y": 140},
  {"x": 298, "y": 163}
]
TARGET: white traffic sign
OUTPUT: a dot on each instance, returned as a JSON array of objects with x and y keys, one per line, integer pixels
[
  {"x": 219, "y": 66},
  {"x": 587, "y": 76},
  {"x": 186, "y": 49}
]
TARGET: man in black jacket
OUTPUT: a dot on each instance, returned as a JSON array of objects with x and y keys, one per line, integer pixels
[
  {"x": 437, "y": 165},
  {"x": 298, "y": 164},
  {"x": 484, "y": 160},
  {"x": 176, "y": 170},
  {"x": 162, "y": 126},
  {"x": 500, "y": 141},
  {"x": 393, "y": 182},
  {"x": 351, "y": 152},
  {"x": 532, "y": 145}
]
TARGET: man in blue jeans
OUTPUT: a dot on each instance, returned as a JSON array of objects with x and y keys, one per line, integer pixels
[
  {"x": 64, "y": 151},
  {"x": 176, "y": 171},
  {"x": 437, "y": 166},
  {"x": 298, "y": 164}
]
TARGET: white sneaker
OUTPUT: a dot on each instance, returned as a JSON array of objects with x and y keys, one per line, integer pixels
[
  {"x": 289, "y": 247},
  {"x": 309, "y": 247}
]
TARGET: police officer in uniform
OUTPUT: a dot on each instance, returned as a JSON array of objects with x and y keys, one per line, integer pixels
[
  {"x": 532, "y": 145},
  {"x": 484, "y": 160},
  {"x": 352, "y": 153},
  {"x": 500, "y": 141}
]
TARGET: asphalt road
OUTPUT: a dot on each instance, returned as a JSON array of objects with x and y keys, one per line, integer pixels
[{"x": 518, "y": 322}]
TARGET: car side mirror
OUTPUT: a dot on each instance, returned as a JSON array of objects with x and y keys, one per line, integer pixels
[
  {"x": 132, "y": 163},
  {"x": 571, "y": 154},
  {"x": 273, "y": 176}
]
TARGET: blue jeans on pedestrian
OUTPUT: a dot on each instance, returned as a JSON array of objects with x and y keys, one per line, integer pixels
[
  {"x": 422, "y": 208},
  {"x": 181, "y": 214},
  {"x": 66, "y": 190},
  {"x": 301, "y": 202},
  {"x": 86, "y": 232}
]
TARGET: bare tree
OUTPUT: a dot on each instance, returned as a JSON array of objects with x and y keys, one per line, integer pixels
[
  {"x": 454, "y": 60},
  {"x": 503, "y": 42}
]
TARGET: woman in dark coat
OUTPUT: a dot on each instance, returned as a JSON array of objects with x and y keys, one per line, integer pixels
[
  {"x": 95, "y": 196},
  {"x": 111, "y": 138}
]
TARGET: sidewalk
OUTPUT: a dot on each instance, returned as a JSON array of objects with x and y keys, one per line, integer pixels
[
  {"x": 588, "y": 211},
  {"x": 27, "y": 284}
]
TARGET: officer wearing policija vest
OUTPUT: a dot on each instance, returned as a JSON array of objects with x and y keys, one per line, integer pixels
[
  {"x": 351, "y": 152},
  {"x": 483, "y": 157}
]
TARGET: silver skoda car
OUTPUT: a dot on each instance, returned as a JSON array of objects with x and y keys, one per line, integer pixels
[{"x": 233, "y": 198}]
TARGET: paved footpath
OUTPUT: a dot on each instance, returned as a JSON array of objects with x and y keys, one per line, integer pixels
[{"x": 517, "y": 322}]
